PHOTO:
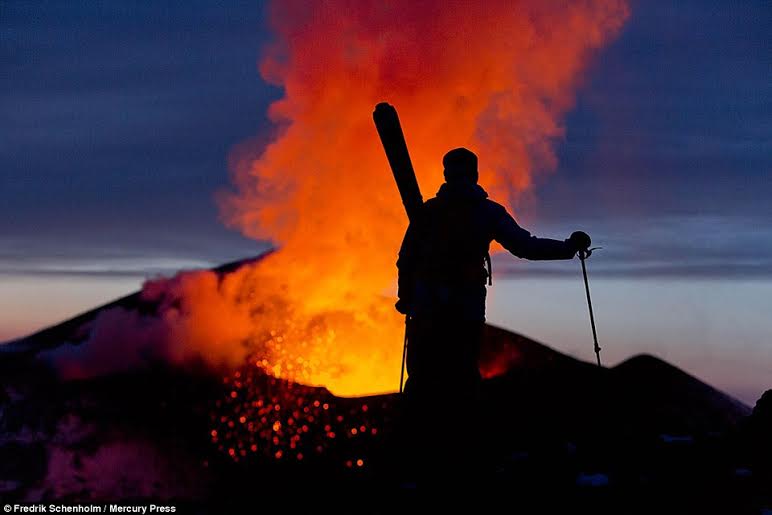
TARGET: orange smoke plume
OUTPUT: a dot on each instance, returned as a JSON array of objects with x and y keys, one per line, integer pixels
[{"x": 496, "y": 77}]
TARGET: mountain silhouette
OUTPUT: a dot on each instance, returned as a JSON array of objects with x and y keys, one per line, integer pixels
[
  {"x": 522, "y": 369},
  {"x": 551, "y": 421}
]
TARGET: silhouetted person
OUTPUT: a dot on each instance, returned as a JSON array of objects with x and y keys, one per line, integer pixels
[{"x": 442, "y": 288}]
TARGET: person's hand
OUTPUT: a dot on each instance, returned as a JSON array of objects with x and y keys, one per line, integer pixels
[{"x": 580, "y": 241}]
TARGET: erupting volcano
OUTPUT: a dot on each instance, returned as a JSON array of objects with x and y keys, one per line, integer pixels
[
  {"x": 497, "y": 77},
  {"x": 215, "y": 388}
]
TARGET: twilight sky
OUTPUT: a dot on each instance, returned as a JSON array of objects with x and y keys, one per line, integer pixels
[{"x": 117, "y": 122}]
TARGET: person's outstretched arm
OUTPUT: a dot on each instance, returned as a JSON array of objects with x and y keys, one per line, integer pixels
[{"x": 522, "y": 244}]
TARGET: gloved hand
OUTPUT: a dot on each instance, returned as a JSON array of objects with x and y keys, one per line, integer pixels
[{"x": 580, "y": 240}]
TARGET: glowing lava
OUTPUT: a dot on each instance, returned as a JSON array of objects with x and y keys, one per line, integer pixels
[{"x": 261, "y": 416}]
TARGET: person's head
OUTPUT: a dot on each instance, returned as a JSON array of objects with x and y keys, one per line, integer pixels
[{"x": 460, "y": 166}]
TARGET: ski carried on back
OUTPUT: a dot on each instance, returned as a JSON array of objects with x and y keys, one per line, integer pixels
[{"x": 390, "y": 132}]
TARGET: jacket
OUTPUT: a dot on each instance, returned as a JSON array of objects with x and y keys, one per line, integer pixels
[{"x": 442, "y": 258}]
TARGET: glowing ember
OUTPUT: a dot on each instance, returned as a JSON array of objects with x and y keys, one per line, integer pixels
[{"x": 279, "y": 420}]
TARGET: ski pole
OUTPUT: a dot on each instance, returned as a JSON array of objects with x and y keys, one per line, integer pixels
[{"x": 584, "y": 254}]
